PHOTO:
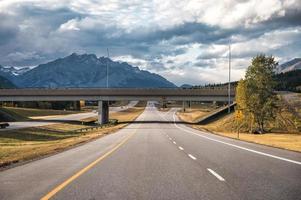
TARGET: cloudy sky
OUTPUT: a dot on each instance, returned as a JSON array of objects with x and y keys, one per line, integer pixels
[{"x": 186, "y": 41}]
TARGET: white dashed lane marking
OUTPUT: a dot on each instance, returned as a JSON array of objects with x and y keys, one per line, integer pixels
[
  {"x": 216, "y": 174},
  {"x": 219, "y": 177},
  {"x": 192, "y": 157},
  {"x": 236, "y": 146}
]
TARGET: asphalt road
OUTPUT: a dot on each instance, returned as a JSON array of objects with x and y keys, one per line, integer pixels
[
  {"x": 159, "y": 161},
  {"x": 57, "y": 118}
]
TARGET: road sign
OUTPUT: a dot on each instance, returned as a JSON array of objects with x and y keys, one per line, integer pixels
[{"x": 238, "y": 114}]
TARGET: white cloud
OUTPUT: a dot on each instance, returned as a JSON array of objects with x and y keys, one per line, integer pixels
[
  {"x": 70, "y": 25},
  {"x": 22, "y": 56},
  {"x": 267, "y": 43},
  {"x": 148, "y": 34},
  {"x": 159, "y": 14},
  {"x": 141, "y": 63}
]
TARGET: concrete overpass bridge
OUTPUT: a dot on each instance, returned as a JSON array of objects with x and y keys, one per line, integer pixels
[{"x": 103, "y": 95}]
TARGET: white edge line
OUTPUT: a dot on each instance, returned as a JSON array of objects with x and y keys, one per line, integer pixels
[
  {"x": 239, "y": 147},
  {"x": 192, "y": 157},
  {"x": 174, "y": 142},
  {"x": 216, "y": 174},
  {"x": 181, "y": 148}
]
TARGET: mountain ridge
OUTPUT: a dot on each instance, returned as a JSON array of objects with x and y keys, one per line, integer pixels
[
  {"x": 86, "y": 70},
  {"x": 6, "y": 83},
  {"x": 290, "y": 65}
]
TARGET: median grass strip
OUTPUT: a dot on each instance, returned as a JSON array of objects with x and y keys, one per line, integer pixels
[{"x": 31, "y": 143}]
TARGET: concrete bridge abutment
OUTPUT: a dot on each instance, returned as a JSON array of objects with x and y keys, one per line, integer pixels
[{"x": 103, "y": 112}]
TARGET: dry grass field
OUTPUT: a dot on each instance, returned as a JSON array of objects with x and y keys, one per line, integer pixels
[
  {"x": 284, "y": 132},
  {"x": 193, "y": 115},
  {"x": 30, "y": 143},
  {"x": 31, "y": 112}
]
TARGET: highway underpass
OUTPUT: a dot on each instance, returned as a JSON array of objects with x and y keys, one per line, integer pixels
[
  {"x": 158, "y": 161},
  {"x": 103, "y": 95}
]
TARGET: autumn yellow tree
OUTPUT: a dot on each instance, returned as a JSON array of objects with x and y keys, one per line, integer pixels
[
  {"x": 255, "y": 95},
  {"x": 243, "y": 116},
  {"x": 241, "y": 98}
]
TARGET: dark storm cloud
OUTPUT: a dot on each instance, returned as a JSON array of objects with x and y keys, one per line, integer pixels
[
  {"x": 156, "y": 65},
  {"x": 25, "y": 38},
  {"x": 45, "y": 17},
  {"x": 290, "y": 19},
  {"x": 209, "y": 55},
  {"x": 8, "y": 29},
  {"x": 34, "y": 35},
  {"x": 204, "y": 63}
]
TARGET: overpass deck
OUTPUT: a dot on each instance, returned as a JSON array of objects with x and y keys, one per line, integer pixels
[{"x": 112, "y": 94}]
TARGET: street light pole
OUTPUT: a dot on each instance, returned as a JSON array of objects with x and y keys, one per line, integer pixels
[
  {"x": 108, "y": 68},
  {"x": 229, "y": 84}
]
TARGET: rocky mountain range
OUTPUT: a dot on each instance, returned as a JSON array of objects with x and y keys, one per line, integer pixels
[
  {"x": 87, "y": 70},
  {"x": 9, "y": 71},
  {"x": 84, "y": 70},
  {"x": 5, "y": 83},
  {"x": 291, "y": 65}
]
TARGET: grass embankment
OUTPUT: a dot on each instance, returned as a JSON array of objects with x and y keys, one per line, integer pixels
[
  {"x": 8, "y": 115},
  {"x": 30, "y": 143},
  {"x": 293, "y": 101},
  {"x": 32, "y": 112},
  {"x": 193, "y": 115},
  {"x": 196, "y": 109},
  {"x": 284, "y": 132}
]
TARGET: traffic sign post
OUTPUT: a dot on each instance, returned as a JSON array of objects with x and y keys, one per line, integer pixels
[{"x": 238, "y": 116}]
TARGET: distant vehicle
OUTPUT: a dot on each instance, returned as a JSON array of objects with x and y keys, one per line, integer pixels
[{"x": 4, "y": 124}]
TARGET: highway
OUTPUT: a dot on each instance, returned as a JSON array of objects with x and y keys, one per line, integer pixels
[
  {"x": 57, "y": 118},
  {"x": 158, "y": 161}
]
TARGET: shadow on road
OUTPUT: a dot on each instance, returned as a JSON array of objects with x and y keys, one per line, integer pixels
[{"x": 154, "y": 122}]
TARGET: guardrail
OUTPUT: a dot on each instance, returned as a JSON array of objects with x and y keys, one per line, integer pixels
[{"x": 97, "y": 127}]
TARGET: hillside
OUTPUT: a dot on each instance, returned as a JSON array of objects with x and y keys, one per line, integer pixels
[
  {"x": 5, "y": 83},
  {"x": 291, "y": 65},
  {"x": 89, "y": 71},
  {"x": 289, "y": 81}
]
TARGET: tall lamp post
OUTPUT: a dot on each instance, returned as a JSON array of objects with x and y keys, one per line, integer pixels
[
  {"x": 108, "y": 68},
  {"x": 229, "y": 84}
]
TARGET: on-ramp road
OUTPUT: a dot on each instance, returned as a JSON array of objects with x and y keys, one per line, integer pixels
[
  {"x": 158, "y": 161},
  {"x": 62, "y": 118}
]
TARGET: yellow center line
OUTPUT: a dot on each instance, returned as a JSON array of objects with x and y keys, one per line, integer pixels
[{"x": 85, "y": 169}]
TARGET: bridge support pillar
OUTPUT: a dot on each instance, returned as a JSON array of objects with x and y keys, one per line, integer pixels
[
  {"x": 183, "y": 107},
  {"x": 103, "y": 112},
  {"x": 164, "y": 104}
]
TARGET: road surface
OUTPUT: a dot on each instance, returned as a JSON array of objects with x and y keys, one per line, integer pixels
[
  {"x": 159, "y": 161},
  {"x": 57, "y": 118}
]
